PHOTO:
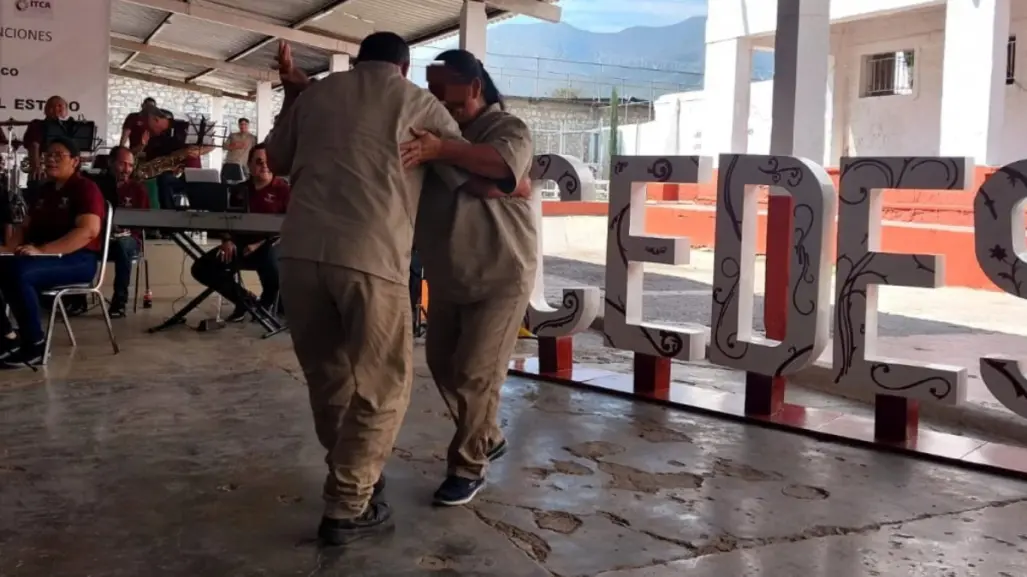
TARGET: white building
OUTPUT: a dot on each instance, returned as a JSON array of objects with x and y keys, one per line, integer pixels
[{"x": 855, "y": 77}]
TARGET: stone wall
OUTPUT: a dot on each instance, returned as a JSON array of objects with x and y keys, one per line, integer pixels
[
  {"x": 559, "y": 126},
  {"x": 125, "y": 95}
]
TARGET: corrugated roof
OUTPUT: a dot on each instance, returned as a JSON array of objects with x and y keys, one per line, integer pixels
[{"x": 143, "y": 21}]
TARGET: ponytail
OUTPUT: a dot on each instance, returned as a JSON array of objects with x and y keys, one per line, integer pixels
[{"x": 489, "y": 90}]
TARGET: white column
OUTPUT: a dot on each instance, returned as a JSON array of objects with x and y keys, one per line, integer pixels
[
  {"x": 801, "y": 49},
  {"x": 217, "y": 115},
  {"x": 726, "y": 89},
  {"x": 339, "y": 63},
  {"x": 264, "y": 103},
  {"x": 973, "y": 93},
  {"x": 473, "y": 24}
]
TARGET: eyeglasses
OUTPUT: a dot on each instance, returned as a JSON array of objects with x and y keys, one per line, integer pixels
[{"x": 55, "y": 155}]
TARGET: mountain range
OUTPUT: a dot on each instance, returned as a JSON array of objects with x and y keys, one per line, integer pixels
[{"x": 641, "y": 62}]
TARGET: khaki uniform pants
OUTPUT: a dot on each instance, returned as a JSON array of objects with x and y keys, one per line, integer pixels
[
  {"x": 352, "y": 335},
  {"x": 468, "y": 349}
]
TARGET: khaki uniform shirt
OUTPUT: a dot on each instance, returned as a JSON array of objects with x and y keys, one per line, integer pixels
[
  {"x": 240, "y": 155},
  {"x": 353, "y": 204},
  {"x": 474, "y": 248}
]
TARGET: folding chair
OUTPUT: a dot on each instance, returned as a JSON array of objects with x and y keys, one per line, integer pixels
[{"x": 93, "y": 288}]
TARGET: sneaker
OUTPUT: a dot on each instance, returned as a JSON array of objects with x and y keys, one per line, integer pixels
[
  {"x": 237, "y": 316},
  {"x": 336, "y": 532},
  {"x": 379, "y": 491},
  {"x": 8, "y": 346},
  {"x": 456, "y": 491},
  {"x": 496, "y": 451},
  {"x": 26, "y": 357},
  {"x": 76, "y": 305},
  {"x": 117, "y": 311}
]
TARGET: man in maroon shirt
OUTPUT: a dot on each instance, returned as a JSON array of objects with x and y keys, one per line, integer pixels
[
  {"x": 125, "y": 244},
  {"x": 55, "y": 109},
  {"x": 65, "y": 218},
  {"x": 167, "y": 136},
  {"x": 265, "y": 194},
  {"x": 133, "y": 131}
]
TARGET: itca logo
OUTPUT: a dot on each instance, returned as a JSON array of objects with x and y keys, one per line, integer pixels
[{"x": 26, "y": 5}]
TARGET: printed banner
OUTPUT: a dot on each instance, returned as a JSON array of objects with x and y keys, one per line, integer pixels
[{"x": 54, "y": 48}]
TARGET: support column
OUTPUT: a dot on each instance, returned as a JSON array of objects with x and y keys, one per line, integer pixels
[
  {"x": 801, "y": 50},
  {"x": 339, "y": 63},
  {"x": 726, "y": 90},
  {"x": 473, "y": 25},
  {"x": 973, "y": 93},
  {"x": 217, "y": 115},
  {"x": 264, "y": 117}
]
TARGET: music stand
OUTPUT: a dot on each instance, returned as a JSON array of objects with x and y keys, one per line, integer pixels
[
  {"x": 200, "y": 133},
  {"x": 81, "y": 132}
]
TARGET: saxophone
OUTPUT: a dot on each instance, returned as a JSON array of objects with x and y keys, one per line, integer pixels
[{"x": 174, "y": 162}]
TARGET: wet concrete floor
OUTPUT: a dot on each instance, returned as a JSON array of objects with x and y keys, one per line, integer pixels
[{"x": 194, "y": 455}]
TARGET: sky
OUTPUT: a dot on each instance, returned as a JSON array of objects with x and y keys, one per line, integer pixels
[{"x": 602, "y": 16}]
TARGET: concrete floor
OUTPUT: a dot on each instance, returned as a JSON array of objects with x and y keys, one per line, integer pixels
[{"x": 193, "y": 455}]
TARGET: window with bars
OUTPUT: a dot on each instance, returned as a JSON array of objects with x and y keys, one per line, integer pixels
[
  {"x": 887, "y": 74},
  {"x": 1011, "y": 61}
]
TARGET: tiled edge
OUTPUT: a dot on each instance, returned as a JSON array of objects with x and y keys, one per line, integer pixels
[{"x": 961, "y": 451}]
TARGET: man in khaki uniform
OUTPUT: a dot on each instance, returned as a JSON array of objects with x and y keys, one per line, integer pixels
[
  {"x": 480, "y": 258},
  {"x": 345, "y": 253}
]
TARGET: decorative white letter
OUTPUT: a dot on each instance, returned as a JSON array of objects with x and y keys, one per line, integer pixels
[
  {"x": 861, "y": 268},
  {"x": 627, "y": 249},
  {"x": 1001, "y": 252},
  {"x": 580, "y": 306},
  {"x": 732, "y": 342}
]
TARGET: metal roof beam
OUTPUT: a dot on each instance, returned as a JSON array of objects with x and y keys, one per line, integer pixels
[
  {"x": 533, "y": 8},
  {"x": 177, "y": 84},
  {"x": 257, "y": 74},
  {"x": 207, "y": 11},
  {"x": 149, "y": 38},
  {"x": 305, "y": 21}
]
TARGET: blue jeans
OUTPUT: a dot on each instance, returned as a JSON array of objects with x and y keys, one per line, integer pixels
[
  {"x": 123, "y": 249},
  {"x": 23, "y": 278}
]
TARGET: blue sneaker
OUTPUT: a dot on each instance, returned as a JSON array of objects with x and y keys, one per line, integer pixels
[{"x": 456, "y": 491}]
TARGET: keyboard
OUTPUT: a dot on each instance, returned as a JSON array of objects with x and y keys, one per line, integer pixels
[{"x": 190, "y": 220}]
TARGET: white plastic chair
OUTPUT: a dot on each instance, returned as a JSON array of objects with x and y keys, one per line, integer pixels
[{"x": 93, "y": 288}]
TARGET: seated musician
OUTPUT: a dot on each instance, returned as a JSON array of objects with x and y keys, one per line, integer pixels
[
  {"x": 133, "y": 131},
  {"x": 56, "y": 109},
  {"x": 65, "y": 217},
  {"x": 125, "y": 244},
  {"x": 166, "y": 143},
  {"x": 262, "y": 193}
]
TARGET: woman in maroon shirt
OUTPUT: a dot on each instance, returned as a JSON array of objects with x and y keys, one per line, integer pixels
[{"x": 65, "y": 218}]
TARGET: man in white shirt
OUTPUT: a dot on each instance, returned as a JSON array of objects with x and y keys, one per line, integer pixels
[{"x": 238, "y": 145}]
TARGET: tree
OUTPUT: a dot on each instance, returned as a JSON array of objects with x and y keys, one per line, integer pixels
[
  {"x": 566, "y": 92},
  {"x": 614, "y": 148}
]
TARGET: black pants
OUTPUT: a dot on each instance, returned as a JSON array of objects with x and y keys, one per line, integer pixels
[
  {"x": 168, "y": 185},
  {"x": 210, "y": 271}
]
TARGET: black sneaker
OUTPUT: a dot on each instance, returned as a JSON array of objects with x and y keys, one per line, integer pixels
[
  {"x": 336, "y": 532},
  {"x": 8, "y": 346},
  {"x": 497, "y": 450},
  {"x": 379, "y": 491},
  {"x": 25, "y": 357},
  {"x": 117, "y": 311},
  {"x": 237, "y": 316},
  {"x": 456, "y": 491},
  {"x": 76, "y": 305}
]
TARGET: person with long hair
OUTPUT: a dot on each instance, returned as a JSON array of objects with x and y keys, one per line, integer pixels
[{"x": 479, "y": 257}]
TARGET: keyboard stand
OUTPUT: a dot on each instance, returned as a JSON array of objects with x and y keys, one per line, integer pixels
[{"x": 190, "y": 247}]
